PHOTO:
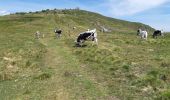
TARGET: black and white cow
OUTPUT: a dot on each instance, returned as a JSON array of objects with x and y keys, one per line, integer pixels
[
  {"x": 157, "y": 33},
  {"x": 88, "y": 35},
  {"x": 58, "y": 33}
]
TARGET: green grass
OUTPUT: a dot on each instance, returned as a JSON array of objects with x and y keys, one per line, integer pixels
[{"x": 121, "y": 67}]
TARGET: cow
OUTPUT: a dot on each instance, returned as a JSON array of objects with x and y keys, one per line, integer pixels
[
  {"x": 87, "y": 35},
  {"x": 37, "y": 35},
  {"x": 58, "y": 33},
  {"x": 142, "y": 34},
  {"x": 157, "y": 33}
]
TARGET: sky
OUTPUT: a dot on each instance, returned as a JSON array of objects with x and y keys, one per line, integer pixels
[{"x": 155, "y": 13}]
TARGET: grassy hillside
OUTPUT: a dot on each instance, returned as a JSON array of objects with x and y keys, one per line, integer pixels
[{"x": 122, "y": 67}]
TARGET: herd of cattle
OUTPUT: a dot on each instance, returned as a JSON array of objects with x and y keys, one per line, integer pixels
[
  {"x": 144, "y": 34},
  {"x": 92, "y": 35}
]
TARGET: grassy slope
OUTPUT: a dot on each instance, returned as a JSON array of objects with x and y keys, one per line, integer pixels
[{"x": 121, "y": 67}]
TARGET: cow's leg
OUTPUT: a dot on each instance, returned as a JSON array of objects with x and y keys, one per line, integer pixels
[
  {"x": 35, "y": 36},
  {"x": 162, "y": 35},
  {"x": 81, "y": 43},
  {"x": 38, "y": 36},
  {"x": 141, "y": 36},
  {"x": 95, "y": 41},
  {"x": 146, "y": 36},
  {"x": 59, "y": 35},
  {"x": 153, "y": 36}
]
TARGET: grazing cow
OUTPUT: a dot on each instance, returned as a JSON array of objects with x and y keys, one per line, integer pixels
[
  {"x": 142, "y": 34},
  {"x": 37, "y": 35},
  {"x": 58, "y": 33},
  {"x": 88, "y": 35},
  {"x": 157, "y": 33}
]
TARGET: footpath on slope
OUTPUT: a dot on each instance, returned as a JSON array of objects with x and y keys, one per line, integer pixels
[{"x": 71, "y": 80}]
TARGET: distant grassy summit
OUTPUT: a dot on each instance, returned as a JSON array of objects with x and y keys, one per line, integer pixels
[{"x": 91, "y": 19}]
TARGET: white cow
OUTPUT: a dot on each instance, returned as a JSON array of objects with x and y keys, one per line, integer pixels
[
  {"x": 142, "y": 34},
  {"x": 37, "y": 35}
]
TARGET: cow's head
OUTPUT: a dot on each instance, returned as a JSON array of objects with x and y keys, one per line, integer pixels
[
  {"x": 138, "y": 32},
  {"x": 162, "y": 33},
  {"x": 94, "y": 37}
]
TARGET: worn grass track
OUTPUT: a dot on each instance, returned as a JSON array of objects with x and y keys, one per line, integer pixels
[{"x": 70, "y": 74}]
